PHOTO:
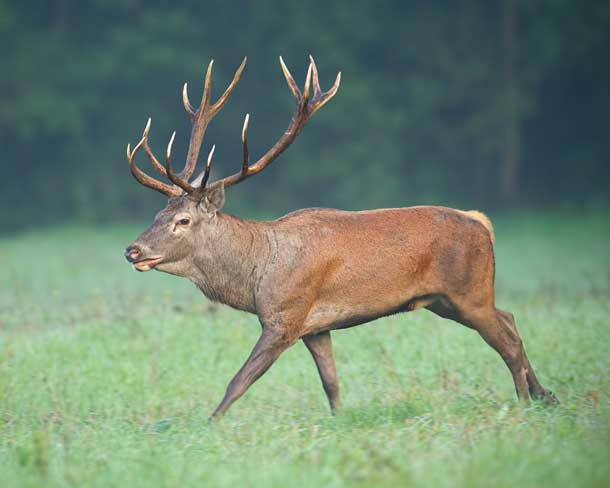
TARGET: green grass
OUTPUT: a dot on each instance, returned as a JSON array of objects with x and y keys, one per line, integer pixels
[{"x": 107, "y": 377}]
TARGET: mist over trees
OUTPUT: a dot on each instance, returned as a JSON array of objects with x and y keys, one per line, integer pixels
[{"x": 472, "y": 103}]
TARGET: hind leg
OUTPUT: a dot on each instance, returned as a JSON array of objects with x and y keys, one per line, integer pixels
[
  {"x": 537, "y": 391},
  {"x": 321, "y": 348},
  {"x": 507, "y": 343},
  {"x": 498, "y": 335}
]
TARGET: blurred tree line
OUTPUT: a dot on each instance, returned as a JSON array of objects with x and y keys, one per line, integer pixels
[{"x": 482, "y": 103}]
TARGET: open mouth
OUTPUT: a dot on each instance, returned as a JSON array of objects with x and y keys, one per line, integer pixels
[{"x": 146, "y": 264}]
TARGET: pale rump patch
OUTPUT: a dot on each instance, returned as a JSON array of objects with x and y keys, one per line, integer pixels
[{"x": 481, "y": 217}]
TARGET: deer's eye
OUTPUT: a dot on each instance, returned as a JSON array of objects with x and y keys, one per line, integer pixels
[{"x": 184, "y": 221}]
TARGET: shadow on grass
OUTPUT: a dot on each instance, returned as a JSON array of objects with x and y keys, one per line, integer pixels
[
  {"x": 379, "y": 414},
  {"x": 419, "y": 412}
]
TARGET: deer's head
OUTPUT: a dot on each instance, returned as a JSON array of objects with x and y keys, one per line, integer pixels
[{"x": 188, "y": 222}]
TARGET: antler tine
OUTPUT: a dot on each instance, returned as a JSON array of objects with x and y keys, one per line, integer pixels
[
  {"x": 208, "y": 167},
  {"x": 290, "y": 80},
  {"x": 202, "y": 116},
  {"x": 225, "y": 96},
  {"x": 305, "y": 108},
  {"x": 187, "y": 104},
  {"x": 306, "y": 88},
  {"x": 323, "y": 98},
  {"x": 168, "y": 152},
  {"x": 156, "y": 164},
  {"x": 175, "y": 179},
  {"x": 142, "y": 177},
  {"x": 316, "y": 81},
  {"x": 244, "y": 141},
  {"x": 200, "y": 182},
  {"x": 207, "y": 89}
]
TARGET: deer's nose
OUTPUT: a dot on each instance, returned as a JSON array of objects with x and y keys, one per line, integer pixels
[{"x": 133, "y": 253}]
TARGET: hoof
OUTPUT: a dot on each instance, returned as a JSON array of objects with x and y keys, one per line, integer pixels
[
  {"x": 549, "y": 398},
  {"x": 214, "y": 418}
]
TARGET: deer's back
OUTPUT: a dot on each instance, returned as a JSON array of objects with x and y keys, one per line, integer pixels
[{"x": 405, "y": 230}]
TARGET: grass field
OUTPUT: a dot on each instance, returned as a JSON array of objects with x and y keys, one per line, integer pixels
[{"x": 107, "y": 377}]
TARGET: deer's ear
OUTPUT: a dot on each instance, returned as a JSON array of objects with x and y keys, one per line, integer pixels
[{"x": 214, "y": 198}]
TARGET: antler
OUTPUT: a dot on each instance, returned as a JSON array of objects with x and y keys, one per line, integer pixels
[
  {"x": 200, "y": 118},
  {"x": 305, "y": 108}
]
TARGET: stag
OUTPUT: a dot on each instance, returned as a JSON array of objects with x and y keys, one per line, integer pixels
[{"x": 317, "y": 270}]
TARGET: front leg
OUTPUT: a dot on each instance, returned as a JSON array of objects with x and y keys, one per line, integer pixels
[{"x": 267, "y": 349}]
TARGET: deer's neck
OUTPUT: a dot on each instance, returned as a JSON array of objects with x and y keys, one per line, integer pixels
[{"x": 228, "y": 261}]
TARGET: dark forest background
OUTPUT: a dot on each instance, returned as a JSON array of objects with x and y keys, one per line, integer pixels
[{"x": 491, "y": 104}]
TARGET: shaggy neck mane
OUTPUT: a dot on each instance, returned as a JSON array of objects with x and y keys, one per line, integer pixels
[{"x": 225, "y": 265}]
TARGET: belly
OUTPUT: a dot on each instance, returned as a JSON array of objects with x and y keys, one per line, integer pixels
[
  {"x": 365, "y": 288},
  {"x": 352, "y": 306}
]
